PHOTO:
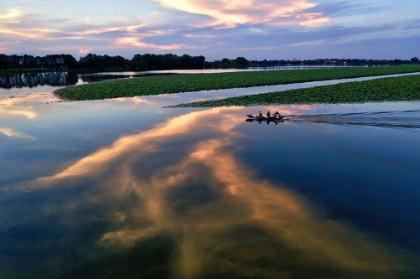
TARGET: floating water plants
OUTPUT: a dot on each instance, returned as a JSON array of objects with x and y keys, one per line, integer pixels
[
  {"x": 154, "y": 85},
  {"x": 385, "y": 89}
]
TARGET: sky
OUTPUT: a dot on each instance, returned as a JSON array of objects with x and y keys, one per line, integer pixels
[{"x": 254, "y": 29}]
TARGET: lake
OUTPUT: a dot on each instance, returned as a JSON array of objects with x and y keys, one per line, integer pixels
[{"x": 125, "y": 188}]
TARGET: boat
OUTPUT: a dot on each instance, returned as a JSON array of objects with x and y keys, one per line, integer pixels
[{"x": 274, "y": 117}]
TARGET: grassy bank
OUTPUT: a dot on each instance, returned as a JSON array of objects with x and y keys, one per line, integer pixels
[
  {"x": 387, "y": 89},
  {"x": 155, "y": 85}
]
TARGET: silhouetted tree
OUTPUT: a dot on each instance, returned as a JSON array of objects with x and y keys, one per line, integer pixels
[
  {"x": 241, "y": 62},
  {"x": 167, "y": 61}
]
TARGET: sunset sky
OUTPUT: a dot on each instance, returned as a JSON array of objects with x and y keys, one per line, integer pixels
[{"x": 254, "y": 29}]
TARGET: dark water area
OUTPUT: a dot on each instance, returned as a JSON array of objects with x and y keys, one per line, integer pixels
[
  {"x": 30, "y": 80},
  {"x": 19, "y": 80},
  {"x": 125, "y": 188}
]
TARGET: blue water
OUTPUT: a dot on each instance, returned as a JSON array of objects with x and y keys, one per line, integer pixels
[{"x": 125, "y": 188}]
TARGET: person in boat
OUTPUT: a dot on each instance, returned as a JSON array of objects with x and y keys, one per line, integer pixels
[
  {"x": 276, "y": 114},
  {"x": 268, "y": 114},
  {"x": 260, "y": 114}
]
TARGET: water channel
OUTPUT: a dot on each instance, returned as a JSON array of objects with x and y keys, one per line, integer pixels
[{"x": 125, "y": 188}]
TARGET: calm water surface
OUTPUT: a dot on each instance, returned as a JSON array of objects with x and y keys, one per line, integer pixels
[{"x": 127, "y": 189}]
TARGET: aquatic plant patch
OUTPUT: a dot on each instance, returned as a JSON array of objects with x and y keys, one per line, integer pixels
[
  {"x": 404, "y": 88},
  {"x": 154, "y": 85}
]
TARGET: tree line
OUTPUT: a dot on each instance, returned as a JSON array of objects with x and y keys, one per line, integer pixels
[
  {"x": 242, "y": 62},
  {"x": 144, "y": 62},
  {"x": 101, "y": 62},
  {"x": 54, "y": 61}
]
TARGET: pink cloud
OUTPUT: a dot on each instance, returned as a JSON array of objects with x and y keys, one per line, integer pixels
[
  {"x": 135, "y": 42},
  {"x": 29, "y": 33},
  {"x": 84, "y": 51},
  {"x": 200, "y": 36},
  {"x": 231, "y": 13}
]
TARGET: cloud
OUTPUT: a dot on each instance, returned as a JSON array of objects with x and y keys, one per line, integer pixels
[
  {"x": 337, "y": 36},
  {"x": 30, "y": 33},
  {"x": 201, "y": 36},
  {"x": 220, "y": 27},
  {"x": 95, "y": 31},
  {"x": 85, "y": 51},
  {"x": 230, "y": 14},
  {"x": 313, "y": 20},
  {"x": 12, "y": 16},
  {"x": 136, "y": 42}
]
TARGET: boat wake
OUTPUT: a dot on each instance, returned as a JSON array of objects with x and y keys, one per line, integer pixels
[{"x": 400, "y": 119}]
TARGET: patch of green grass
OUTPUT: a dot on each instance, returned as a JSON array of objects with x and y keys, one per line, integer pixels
[
  {"x": 154, "y": 85},
  {"x": 404, "y": 88}
]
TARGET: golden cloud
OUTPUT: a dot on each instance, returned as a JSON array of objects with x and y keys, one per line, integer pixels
[
  {"x": 230, "y": 14},
  {"x": 136, "y": 42}
]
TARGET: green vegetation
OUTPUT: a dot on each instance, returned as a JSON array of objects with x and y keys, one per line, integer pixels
[
  {"x": 385, "y": 89},
  {"x": 154, "y": 85}
]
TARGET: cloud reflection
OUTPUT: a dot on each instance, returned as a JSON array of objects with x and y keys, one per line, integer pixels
[
  {"x": 135, "y": 100},
  {"x": 145, "y": 143},
  {"x": 27, "y": 112},
  {"x": 13, "y": 133},
  {"x": 240, "y": 221}
]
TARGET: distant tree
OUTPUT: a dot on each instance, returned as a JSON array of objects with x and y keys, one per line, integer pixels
[
  {"x": 93, "y": 61},
  {"x": 241, "y": 62},
  {"x": 4, "y": 61},
  {"x": 186, "y": 61},
  {"x": 166, "y": 61},
  {"x": 199, "y": 61},
  {"x": 396, "y": 62},
  {"x": 69, "y": 61},
  {"x": 137, "y": 63},
  {"x": 225, "y": 62},
  {"x": 414, "y": 59}
]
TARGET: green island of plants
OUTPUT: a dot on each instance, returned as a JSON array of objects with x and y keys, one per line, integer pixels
[
  {"x": 154, "y": 85},
  {"x": 404, "y": 88}
]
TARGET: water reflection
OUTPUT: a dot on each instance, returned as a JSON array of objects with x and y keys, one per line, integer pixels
[
  {"x": 30, "y": 80},
  {"x": 9, "y": 107},
  {"x": 395, "y": 118},
  {"x": 180, "y": 192},
  {"x": 13, "y": 133}
]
